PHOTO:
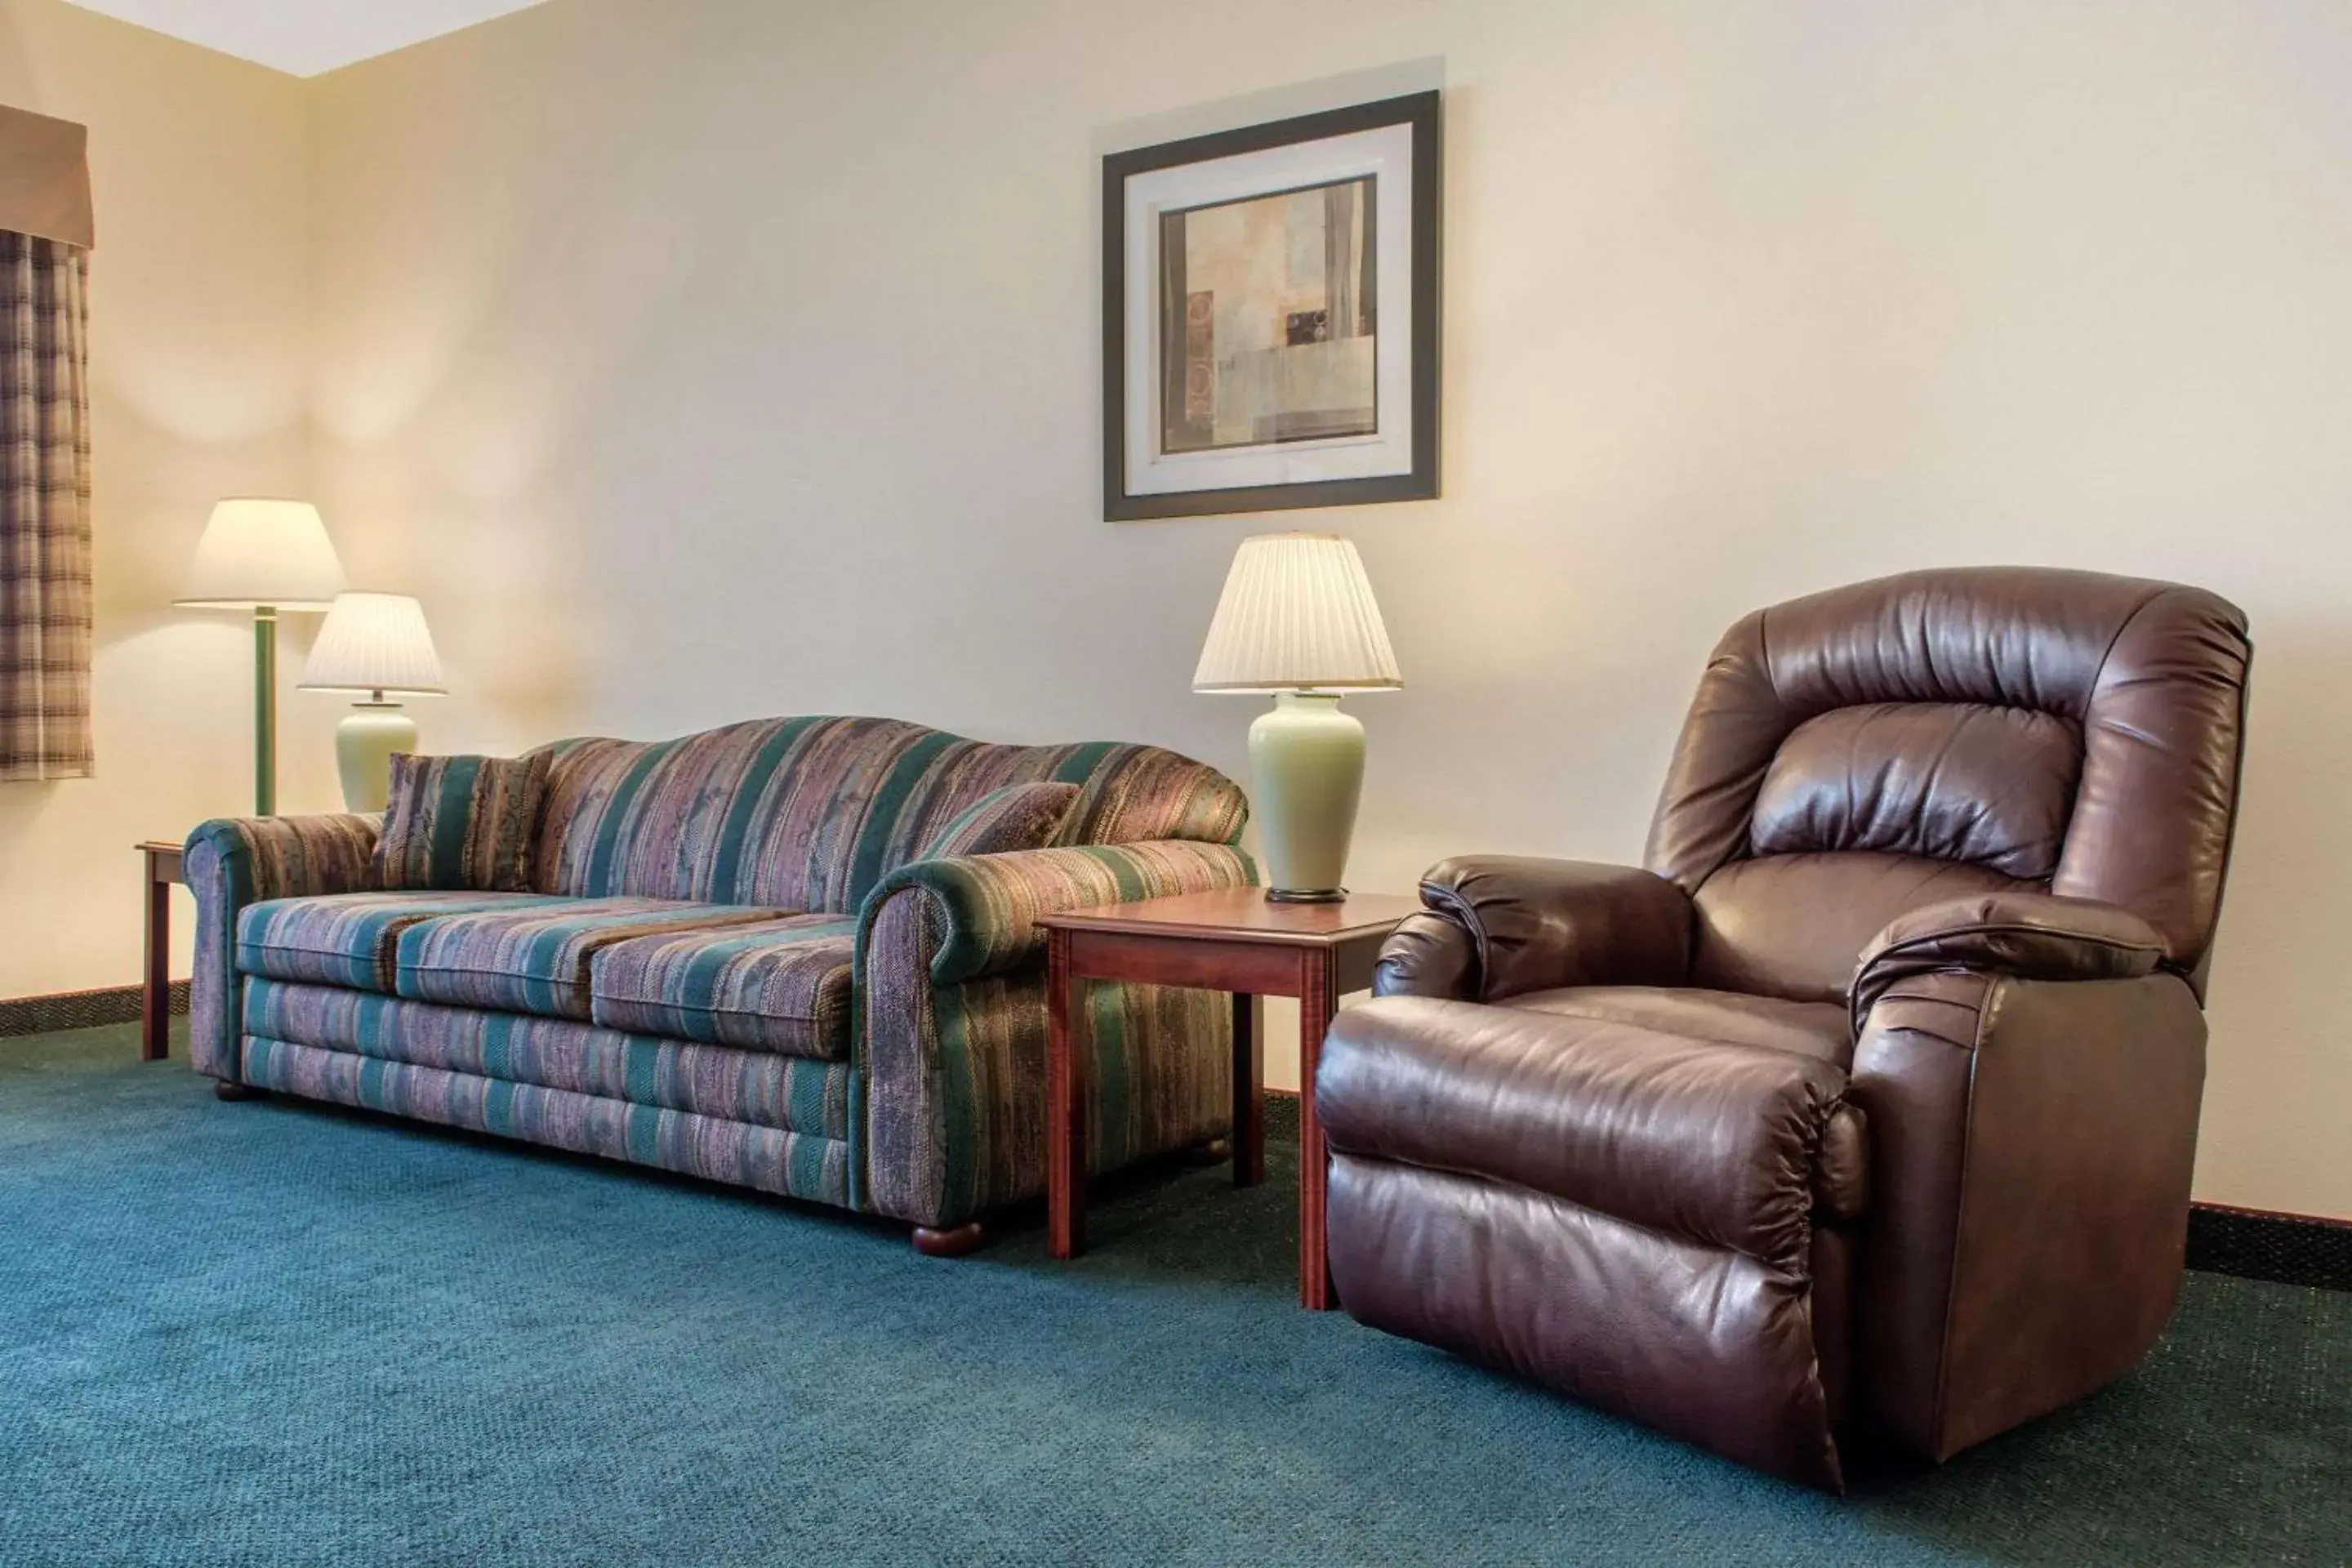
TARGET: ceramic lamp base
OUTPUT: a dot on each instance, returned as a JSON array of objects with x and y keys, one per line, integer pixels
[
  {"x": 364, "y": 743},
  {"x": 1306, "y": 761}
]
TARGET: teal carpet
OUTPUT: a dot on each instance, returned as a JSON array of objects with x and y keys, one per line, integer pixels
[{"x": 266, "y": 1333}]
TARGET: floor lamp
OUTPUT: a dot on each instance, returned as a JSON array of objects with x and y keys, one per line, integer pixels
[{"x": 265, "y": 556}]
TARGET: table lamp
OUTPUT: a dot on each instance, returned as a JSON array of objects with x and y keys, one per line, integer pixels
[
  {"x": 265, "y": 556},
  {"x": 376, "y": 644},
  {"x": 1298, "y": 619}
]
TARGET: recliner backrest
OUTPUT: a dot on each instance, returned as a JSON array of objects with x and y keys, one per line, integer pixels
[
  {"x": 1854, "y": 754},
  {"x": 810, "y": 812}
]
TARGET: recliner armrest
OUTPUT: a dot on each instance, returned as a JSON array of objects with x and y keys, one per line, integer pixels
[
  {"x": 1428, "y": 955},
  {"x": 1534, "y": 923},
  {"x": 2032, "y": 936}
]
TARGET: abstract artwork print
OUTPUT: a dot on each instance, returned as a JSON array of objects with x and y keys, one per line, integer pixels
[{"x": 1266, "y": 310}]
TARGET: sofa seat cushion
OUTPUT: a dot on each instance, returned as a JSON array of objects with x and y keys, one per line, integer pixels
[
  {"x": 778, "y": 985},
  {"x": 1808, "y": 1028},
  {"x": 350, "y": 939},
  {"x": 535, "y": 958}
]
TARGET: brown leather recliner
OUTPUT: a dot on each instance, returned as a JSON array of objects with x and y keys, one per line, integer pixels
[{"x": 1870, "y": 1106}]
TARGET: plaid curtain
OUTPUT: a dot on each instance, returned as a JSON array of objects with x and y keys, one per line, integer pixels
[{"x": 45, "y": 598}]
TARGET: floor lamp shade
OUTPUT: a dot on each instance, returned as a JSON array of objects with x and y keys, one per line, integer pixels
[
  {"x": 1298, "y": 618},
  {"x": 264, "y": 555},
  {"x": 376, "y": 644},
  {"x": 258, "y": 552}
]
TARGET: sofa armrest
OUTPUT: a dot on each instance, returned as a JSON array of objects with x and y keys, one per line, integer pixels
[
  {"x": 988, "y": 905},
  {"x": 1536, "y": 923},
  {"x": 230, "y": 862},
  {"x": 2027, "y": 936},
  {"x": 291, "y": 857},
  {"x": 951, "y": 1016}
]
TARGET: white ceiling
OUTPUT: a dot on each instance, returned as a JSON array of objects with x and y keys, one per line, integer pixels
[{"x": 305, "y": 36}]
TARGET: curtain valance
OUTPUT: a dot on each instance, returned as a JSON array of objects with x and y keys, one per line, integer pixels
[{"x": 44, "y": 177}]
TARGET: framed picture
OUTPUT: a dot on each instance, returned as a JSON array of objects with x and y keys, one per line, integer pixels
[{"x": 1270, "y": 315}]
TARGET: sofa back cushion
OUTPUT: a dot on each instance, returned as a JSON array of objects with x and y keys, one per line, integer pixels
[
  {"x": 810, "y": 813},
  {"x": 1004, "y": 821},
  {"x": 461, "y": 822}
]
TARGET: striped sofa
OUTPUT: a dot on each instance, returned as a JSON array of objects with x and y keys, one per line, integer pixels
[{"x": 731, "y": 963}]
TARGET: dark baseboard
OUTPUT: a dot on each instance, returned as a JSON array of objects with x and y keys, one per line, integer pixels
[
  {"x": 2287, "y": 1248},
  {"x": 79, "y": 1009}
]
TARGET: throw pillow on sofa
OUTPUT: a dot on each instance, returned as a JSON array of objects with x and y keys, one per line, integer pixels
[
  {"x": 1018, "y": 816},
  {"x": 461, "y": 822}
]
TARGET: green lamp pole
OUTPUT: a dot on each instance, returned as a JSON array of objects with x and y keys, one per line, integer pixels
[
  {"x": 268, "y": 556},
  {"x": 265, "y": 709}
]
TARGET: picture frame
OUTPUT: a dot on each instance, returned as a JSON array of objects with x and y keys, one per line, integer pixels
[{"x": 1271, "y": 315}]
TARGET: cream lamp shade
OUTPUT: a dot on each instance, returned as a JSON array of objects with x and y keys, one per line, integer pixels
[
  {"x": 258, "y": 552},
  {"x": 377, "y": 645},
  {"x": 264, "y": 556},
  {"x": 377, "y": 642},
  {"x": 1298, "y": 614},
  {"x": 1298, "y": 618}
]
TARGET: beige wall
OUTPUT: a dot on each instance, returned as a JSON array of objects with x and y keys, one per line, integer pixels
[
  {"x": 729, "y": 357},
  {"x": 198, "y": 377},
  {"x": 726, "y": 357}
]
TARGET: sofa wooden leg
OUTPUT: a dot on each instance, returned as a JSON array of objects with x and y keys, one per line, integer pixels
[
  {"x": 968, "y": 1237},
  {"x": 223, "y": 1089}
]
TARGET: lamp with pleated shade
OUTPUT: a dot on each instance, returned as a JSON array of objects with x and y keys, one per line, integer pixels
[
  {"x": 265, "y": 555},
  {"x": 377, "y": 644},
  {"x": 1298, "y": 619}
]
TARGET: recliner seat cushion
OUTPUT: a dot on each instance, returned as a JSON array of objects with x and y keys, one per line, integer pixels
[
  {"x": 779, "y": 986},
  {"x": 1818, "y": 1029},
  {"x": 349, "y": 938},
  {"x": 535, "y": 959}
]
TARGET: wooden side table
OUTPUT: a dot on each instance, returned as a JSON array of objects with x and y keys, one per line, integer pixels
[
  {"x": 155, "y": 990},
  {"x": 1231, "y": 940}
]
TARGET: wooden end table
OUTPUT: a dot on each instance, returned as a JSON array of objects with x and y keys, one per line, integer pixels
[
  {"x": 155, "y": 989},
  {"x": 1231, "y": 940}
]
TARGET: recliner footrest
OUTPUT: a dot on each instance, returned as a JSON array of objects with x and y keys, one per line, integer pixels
[
  {"x": 1699, "y": 1342},
  {"x": 1624, "y": 1215},
  {"x": 1719, "y": 1144}
]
